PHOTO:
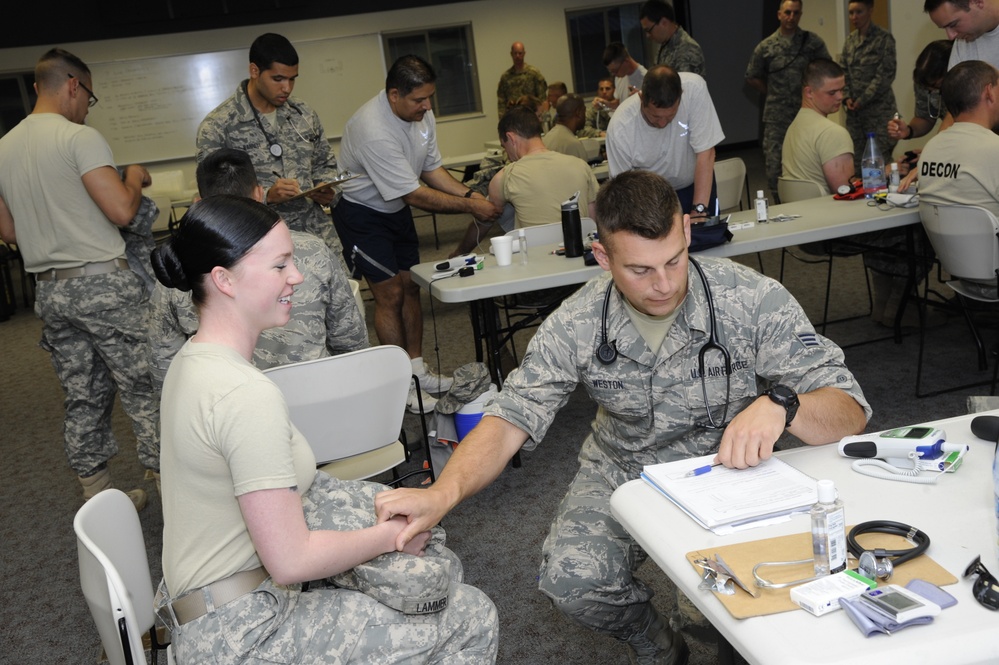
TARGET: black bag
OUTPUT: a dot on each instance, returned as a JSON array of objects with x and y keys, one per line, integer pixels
[{"x": 709, "y": 233}]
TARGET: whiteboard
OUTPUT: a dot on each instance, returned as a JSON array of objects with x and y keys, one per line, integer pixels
[{"x": 150, "y": 108}]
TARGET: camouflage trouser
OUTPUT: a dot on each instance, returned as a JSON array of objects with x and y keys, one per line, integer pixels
[
  {"x": 280, "y": 625},
  {"x": 589, "y": 560},
  {"x": 874, "y": 119},
  {"x": 773, "y": 144},
  {"x": 95, "y": 328}
]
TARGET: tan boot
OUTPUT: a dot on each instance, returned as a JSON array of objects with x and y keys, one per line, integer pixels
[
  {"x": 154, "y": 475},
  {"x": 101, "y": 481}
]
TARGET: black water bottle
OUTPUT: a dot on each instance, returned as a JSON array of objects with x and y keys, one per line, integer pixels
[{"x": 572, "y": 227}]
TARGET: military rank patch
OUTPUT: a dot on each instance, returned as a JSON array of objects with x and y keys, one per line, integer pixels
[{"x": 808, "y": 339}]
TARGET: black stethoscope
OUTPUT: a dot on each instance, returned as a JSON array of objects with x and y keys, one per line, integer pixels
[
  {"x": 607, "y": 350},
  {"x": 272, "y": 144}
]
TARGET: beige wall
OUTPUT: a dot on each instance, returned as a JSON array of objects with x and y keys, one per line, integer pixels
[{"x": 540, "y": 25}]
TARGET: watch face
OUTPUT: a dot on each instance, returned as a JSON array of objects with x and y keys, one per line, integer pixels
[
  {"x": 784, "y": 393},
  {"x": 700, "y": 207}
]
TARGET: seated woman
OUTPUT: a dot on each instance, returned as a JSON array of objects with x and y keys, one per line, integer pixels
[{"x": 236, "y": 474}]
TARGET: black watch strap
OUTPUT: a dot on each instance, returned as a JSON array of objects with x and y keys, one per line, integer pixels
[{"x": 787, "y": 398}]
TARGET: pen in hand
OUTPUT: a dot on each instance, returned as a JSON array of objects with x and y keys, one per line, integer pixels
[{"x": 701, "y": 470}]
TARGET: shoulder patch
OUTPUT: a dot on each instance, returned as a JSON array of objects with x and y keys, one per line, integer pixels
[{"x": 808, "y": 339}]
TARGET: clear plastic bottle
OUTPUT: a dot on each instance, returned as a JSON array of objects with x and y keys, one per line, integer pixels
[
  {"x": 893, "y": 178},
  {"x": 872, "y": 168},
  {"x": 522, "y": 246},
  {"x": 762, "y": 212},
  {"x": 828, "y": 531}
]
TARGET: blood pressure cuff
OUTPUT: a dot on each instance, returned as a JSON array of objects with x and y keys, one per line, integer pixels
[
  {"x": 871, "y": 622},
  {"x": 405, "y": 582},
  {"x": 709, "y": 233}
]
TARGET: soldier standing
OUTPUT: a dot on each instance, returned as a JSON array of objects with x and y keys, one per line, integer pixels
[
  {"x": 869, "y": 62},
  {"x": 282, "y": 135},
  {"x": 93, "y": 305},
  {"x": 521, "y": 79},
  {"x": 677, "y": 49},
  {"x": 775, "y": 69}
]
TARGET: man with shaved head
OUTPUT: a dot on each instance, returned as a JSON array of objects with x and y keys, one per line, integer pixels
[{"x": 521, "y": 79}]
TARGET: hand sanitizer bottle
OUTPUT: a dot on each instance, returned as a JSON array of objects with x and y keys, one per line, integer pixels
[
  {"x": 762, "y": 213},
  {"x": 828, "y": 531},
  {"x": 522, "y": 246}
]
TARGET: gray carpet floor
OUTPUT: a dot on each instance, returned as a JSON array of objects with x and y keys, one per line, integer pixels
[{"x": 498, "y": 533}]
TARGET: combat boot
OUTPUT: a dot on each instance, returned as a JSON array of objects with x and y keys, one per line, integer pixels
[
  {"x": 101, "y": 481},
  {"x": 658, "y": 644}
]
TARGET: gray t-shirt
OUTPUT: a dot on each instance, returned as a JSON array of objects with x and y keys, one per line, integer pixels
[
  {"x": 388, "y": 152},
  {"x": 672, "y": 151},
  {"x": 984, "y": 48}
]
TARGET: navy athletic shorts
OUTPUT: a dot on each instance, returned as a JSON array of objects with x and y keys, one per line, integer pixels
[{"x": 376, "y": 245}]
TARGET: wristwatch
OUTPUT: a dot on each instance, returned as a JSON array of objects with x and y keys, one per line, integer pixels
[
  {"x": 787, "y": 398},
  {"x": 700, "y": 209}
]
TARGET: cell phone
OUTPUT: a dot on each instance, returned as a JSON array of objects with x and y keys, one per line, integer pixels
[{"x": 898, "y": 603}]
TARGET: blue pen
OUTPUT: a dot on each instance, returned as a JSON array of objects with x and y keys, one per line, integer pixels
[{"x": 701, "y": 470}]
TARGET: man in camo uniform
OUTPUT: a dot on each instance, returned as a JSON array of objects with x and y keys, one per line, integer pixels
[
  {"x": 324, "y": 317},
  {"x": 649, "y": 397},
  {"x": 677, "y": 49},
  {"x": 869, "y": 62},
  {"x": 283, "y": 137},
  {"x": 775, "y": 69},
  {"x": 521, "y": 79},
  {"x": 93, "y": 306}
]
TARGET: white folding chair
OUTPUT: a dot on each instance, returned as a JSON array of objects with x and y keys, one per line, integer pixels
[
  {"x": 350, "y": 409},
  {"x": 546, "y": 234},
  {"x": 790, "y": 190},
  {"x": 966, "y": 242},
  {"x": 732, "y": 182},
  {"x": 114, "y": 574}
]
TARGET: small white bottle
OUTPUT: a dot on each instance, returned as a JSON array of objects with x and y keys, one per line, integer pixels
[
  {"x": 828, "y": 531},
  {"x": 762, "y": 213},
  {"x": 893, "y": 178},
  {"x": 522, "y": 246}
]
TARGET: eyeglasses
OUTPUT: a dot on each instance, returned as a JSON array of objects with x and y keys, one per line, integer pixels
[
  {"x": 986, "y": 588},
  {"x": 92, "y": 101},
  {"x": 649, "y": 29}
]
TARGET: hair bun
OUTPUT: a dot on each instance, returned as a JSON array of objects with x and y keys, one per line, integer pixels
[{"x": 168, "y": 268}]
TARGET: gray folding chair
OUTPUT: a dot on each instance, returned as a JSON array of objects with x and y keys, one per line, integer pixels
[
  {"x": 966, "y": 242},
  {"x": 350, "y": 409}
]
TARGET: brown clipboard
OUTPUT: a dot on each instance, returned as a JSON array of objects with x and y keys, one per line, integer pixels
[{"x": 742, "y": 557}]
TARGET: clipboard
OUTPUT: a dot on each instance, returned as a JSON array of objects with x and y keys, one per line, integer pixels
[
  {"x": 332, "y": 183},
  {"x": 742, "y": 557}
]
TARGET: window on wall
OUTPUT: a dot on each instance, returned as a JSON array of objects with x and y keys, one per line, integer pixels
[
  {"x": 17, "y": 98},
  {"x": 590, "y": 30},
  {"x": 451, "y": 52}
]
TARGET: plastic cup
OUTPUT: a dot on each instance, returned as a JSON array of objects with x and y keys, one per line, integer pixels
[{"x": 502, "y": 250}]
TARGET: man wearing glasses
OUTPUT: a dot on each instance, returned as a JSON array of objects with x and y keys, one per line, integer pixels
[
  {"x": 637, "y": 338},
  {"x": 63, "y": 201},
  {"x": 677, "y": 49}
]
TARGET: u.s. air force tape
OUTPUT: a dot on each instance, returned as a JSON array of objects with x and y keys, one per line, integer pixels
[{"x": 407, "y": 583}]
